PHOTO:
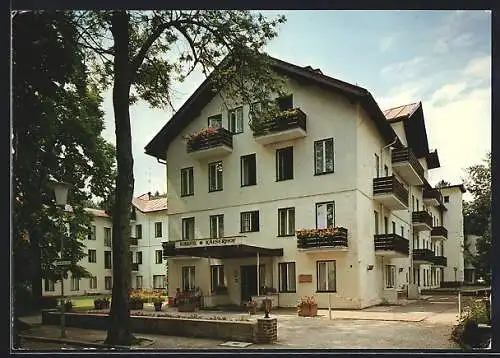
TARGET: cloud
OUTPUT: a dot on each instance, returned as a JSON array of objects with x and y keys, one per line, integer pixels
[
  {"x": 386, "y": 43},
  {"x": 408, "y": 92},
  {"x": 448, "y": 92},
  {"x": 405, "y": 69},
  {"x": 479, "y": 67}
]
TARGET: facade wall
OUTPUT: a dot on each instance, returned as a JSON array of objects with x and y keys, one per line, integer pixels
[{"x": 453, "y": 247}]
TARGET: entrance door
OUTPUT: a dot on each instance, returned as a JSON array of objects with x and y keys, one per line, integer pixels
[{"x": 248, "y": 282}]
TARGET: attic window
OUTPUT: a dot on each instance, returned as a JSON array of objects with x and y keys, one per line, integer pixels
[
  {"x": 446, "y": 199},
  {"x": 285, "y": 102}
]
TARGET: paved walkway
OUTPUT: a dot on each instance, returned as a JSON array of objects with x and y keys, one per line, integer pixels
[{"x": 424, "y": 324}]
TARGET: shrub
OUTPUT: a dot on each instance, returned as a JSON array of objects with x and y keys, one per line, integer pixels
[{"x": 466, "y": 332}]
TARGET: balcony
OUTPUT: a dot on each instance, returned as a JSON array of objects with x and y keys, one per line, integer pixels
[
  {"x": 209, "y": 143},
  {"x": 439, "y": 233},
  {"x": 423, "y": 256},
  {"x": 287, "y": 125},
  {"x": 440, "y": 261},
  {"x": 407, "y": 166},
  {"x": 391, "y": 245},
  {"x": 390, "y": 192},
  {"x": 421, "y": 220},
  {"x": 432, "y": 197},
  {"x": 330, "y": 239},
  {"x": 134, "y": 241},
  {"x": 134, "y": 266}
]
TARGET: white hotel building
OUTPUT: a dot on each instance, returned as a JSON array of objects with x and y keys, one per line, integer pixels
[
  {"x": 339, "y": 165},
  {"x": 148, "y": 230}
]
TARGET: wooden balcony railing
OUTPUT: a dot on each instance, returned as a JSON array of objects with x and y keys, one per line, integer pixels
[
  {"x": 439, "y": 231},
  {"x": 406, "y": 155},
  {"x": 295, "y": 118},
  {"x": 318, "y": 238},
  {"x": 421, "y": 217},
  {"x": 433, "y": 194},
  {"x": 440, "y": 261},
  {"x": 391, "y": 242},
  {"x": 390, "y": 185},
  {"x": 213, "y": 137},
  {"x": 423, "y": 255}
]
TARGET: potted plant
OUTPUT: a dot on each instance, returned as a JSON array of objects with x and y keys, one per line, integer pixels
[
  {"x": 135, "y": 303},
  {"x": 157, "y": 302},
  {"x": 68, "y": 306},
  {"x": 221, "y": 290},
  {"x": 307, "y": 307},
  {"x": 106, "y": 301},
  {"x": 187, "y": 303},
  {"x": 251, "y": 306},
  {"x": 98, "y": 304}
]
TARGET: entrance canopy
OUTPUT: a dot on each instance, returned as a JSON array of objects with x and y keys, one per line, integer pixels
[{"x": 223, "y": 248}]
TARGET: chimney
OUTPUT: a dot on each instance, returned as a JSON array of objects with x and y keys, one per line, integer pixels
[{"x": 149, "y": 195}]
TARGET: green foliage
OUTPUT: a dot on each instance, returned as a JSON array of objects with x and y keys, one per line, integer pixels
[
  {"x": 465, "y": 332},
  {"x": 477, "y": 214},
  {"x": 56, "y": 133},
  {"x": 442, "y": 183}
]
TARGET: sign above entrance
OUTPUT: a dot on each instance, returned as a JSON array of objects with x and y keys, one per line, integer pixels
[{"x": 207, "y": 242}]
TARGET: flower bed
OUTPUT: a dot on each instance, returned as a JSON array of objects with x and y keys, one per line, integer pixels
[{"x": 174, "y": 315}]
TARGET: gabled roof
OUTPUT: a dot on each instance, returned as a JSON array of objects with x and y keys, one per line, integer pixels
[
  {"x": 145, "y": 205},
  {"x": 412, "y": 116},
  {"x": 157, "y": 147}
]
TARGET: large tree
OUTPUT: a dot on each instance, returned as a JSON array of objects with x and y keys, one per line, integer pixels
[
  {"x": 477, "y": 213},
  {"x": 57, "y": 125},
  {"x": 135, "y": 53}
]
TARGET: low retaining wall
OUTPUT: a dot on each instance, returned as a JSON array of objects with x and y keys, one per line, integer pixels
[{"x": 265, "y": 330}]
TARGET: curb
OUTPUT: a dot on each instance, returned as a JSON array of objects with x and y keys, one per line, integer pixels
[{"x": 73, "y": 342}]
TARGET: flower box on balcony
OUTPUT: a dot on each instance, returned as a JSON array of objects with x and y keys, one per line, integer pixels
[
  {"x": 316, "y": 238},
  {"x": 279, "y": 126},
  {"x": 219, "y": 140}
]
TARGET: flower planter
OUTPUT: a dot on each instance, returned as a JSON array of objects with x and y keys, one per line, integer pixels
[
  {"x": 157, "y": 307},
  {"x": 186, "y": 307},
  {"x": 308, "y": 310},
  {"x": 136, "y": 305},
  {"x": 98, "y": 305}
]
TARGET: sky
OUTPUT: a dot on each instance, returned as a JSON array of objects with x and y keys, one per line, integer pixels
[{"x": 442, "y": 58}]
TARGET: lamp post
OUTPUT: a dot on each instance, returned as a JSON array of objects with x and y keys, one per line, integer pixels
[{"x": 61, "y": 194}]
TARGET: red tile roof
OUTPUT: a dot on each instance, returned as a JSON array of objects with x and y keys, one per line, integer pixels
[
  {"x": 146, "y": 205},
  {"x": 97, "y": 212},
  {"x": 402, "y": 111}
]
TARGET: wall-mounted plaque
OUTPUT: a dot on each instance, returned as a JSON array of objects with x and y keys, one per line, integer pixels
[{"x": 305, "y": 278}]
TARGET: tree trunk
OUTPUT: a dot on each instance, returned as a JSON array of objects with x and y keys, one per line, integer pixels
[{"x": 119, "y": 330}]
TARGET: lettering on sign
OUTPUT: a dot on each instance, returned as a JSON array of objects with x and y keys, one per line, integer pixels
[
  {"x": 205, "y": 242},
  {"x": 305, "y": 278}
]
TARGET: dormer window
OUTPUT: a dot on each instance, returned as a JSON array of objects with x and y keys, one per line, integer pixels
[{"x": 215, "y": 121}]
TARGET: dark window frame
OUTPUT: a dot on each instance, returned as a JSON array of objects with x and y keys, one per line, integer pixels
[
  {"x": 285, "y": 264},
  {"x": 321, "y": 203},
  {"x": 210, "y": 190},
  {"x": 218, "y": 220},
  {"x": 252, "y": 222},
  {"x": 217, "y": 116},
  {"x": 158, "y": 231},
  {"x": 317, "y": 276},
  {"x": 185, "y": 231},
  {"x": 333, "y": 154},
  {"x": 287, "y": 215},
  {"x": 189, "y": 190},
  {"x": 231, "y": 129},
  {"x": 156, "y": 257},
  {"x": 94, "y": 251},
  {"x": 212, "y": 285},
  {"x": 286, "y": 174},
  {"x": 110, "y": 259},
  {"x": 243, "y": 159}
]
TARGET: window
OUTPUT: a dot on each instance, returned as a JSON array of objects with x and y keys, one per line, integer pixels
[
  {"x": 158, "y": 229},
  {"x": 235, "y": 120},
  {"x": 216, "y": 226},
  {"x": 75, "y": 283},
  {"x": 107, "y": 259},
  {"x": 187, "y": 181},
  {"x": 49, "y": 285},
  {"x": 286, "y": 222},
  {"x": 188, "y": 277},
  {"x": 325, "y": 215},
  {"x": 249, "y": 221},
  {"x": 418, "y": 206},
  {"x": 386, "y": 225},
  {"x": 138, "y": 282},
  {"x": 285, "y": 102},
  {"x": 92, "y": 233},
  {"x": 138, "y": 231},
  {"x": 390, "y": 276},
  {"x": 377, "y": 166},
  {"x": 323, "y": 156},
  {"x": 446, "y": 199},
  {"x": 92, "y": 254},
  {"x": 215, "y": 176},
  {"x": 158, "y": 281},
  {"x": 107, "y": 236},
  {"x": 93, "y": 283},
  {"x": 412, "y": 203},
  {"x": 188, "y": 228},
  {"x": 248, "y": 170},
  {"x": 393, "y": 227},
  {"x": 138, "y": 257},
  {"x": 402, "y": 231},
  {"x": 215, "y": 121},
  {"x": 217, "y": 277},
  {"x": 386, "y": 171},
  {"x": 325, "y": 272},
  {"x": 158, "y": 256},
  {"x": 415, "y": 241},
  {"x": 284, "y": 164},
  {"x": 255, "y": 109},
  {"x": 375, "y": 217},
  {"x": 287, "y": 277},
  {"x": 108, "y": 283}
]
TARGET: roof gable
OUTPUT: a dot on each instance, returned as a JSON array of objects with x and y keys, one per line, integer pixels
[{"x": 158, "y": 146}]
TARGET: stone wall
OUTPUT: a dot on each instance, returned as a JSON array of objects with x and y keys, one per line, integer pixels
[{"x": 262, "y": 331}]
